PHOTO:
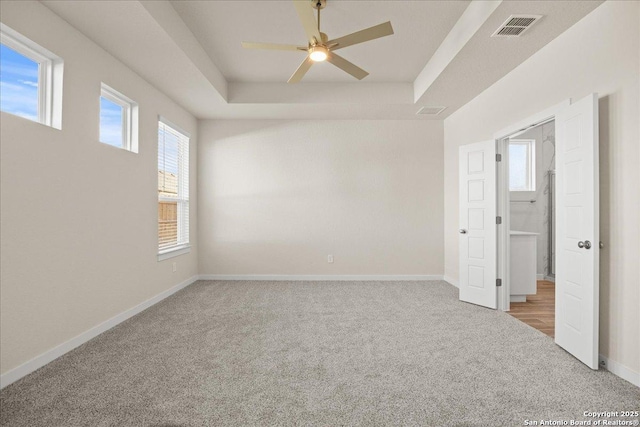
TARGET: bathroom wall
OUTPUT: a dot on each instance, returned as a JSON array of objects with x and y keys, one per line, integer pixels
[{"x": 534, "y": 217}]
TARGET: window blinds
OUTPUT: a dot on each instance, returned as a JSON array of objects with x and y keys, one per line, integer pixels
[{"x": 173, "y": 188}]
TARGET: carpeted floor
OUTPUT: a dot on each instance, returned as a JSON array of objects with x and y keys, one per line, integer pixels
[{"x": 314, "y": 353}]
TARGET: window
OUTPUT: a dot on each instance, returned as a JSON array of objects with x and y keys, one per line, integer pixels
[
  {"x": 30, "y": 79},
  {"x": 173, "y": 190},
  {"x": 522, "y": 165},
  {"x": 118, "y": 120}
]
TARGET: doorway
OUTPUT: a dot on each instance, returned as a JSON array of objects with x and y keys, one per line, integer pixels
[
  {"x": 485, "y": 223},
  {"x": 530, "y": 161}
]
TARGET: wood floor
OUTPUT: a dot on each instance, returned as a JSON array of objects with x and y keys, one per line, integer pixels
[{"x": 539, "y": 309}]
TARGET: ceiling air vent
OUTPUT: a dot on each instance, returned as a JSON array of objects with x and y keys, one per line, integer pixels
[
  {"x": 430, "y": 111},
  {"x": 516, "y": 25}
]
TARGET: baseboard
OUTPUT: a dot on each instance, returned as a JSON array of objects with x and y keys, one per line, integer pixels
[
  {"x": 311, "y": 277},
  {"x": 619, "y": 370},
  {"x": 452, "y": 281},
  {"x": 50, "y": 355},
  {"x": 539, "y": 276}
]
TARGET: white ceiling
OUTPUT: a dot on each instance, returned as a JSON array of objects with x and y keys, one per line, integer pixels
[
  {"x": 441, "y": 53},
  {"x": 220, "y": 26}
]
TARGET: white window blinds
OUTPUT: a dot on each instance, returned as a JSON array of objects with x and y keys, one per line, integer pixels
[{"x": 173, "y": 188}]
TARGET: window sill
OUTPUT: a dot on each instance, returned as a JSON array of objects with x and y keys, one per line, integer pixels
[{"x": 174, "y": 252}]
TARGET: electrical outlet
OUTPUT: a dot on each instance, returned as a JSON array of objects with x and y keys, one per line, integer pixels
[
  {"x": 175, "y": 267},
  {"x": 330, "y": 259}
]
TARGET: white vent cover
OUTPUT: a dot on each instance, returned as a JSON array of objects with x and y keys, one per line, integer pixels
[
  {"x": 516, "y": 25},
  {"x": 430, "y": 111}
]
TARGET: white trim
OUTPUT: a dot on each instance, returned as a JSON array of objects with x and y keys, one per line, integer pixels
[
  {"x": 503, "y": 210},
  {"x": 172, "y": 125},
  {"x": 129, "y": 116},
  {"x": 531, "y": 121},
  {"x": 182, "y": 184},
  {"x": 504, "y": 292},
  {"x": 540, "y": 277},
  {"x": 451, "y": 281},
  {"x": 530, "y": 185},
  {"x": 619, "y": 370},
  {"x": 174, "y": 252},
  {"x": 50, "y": 69},
  {"x": 312, "y": 277},
  {"x": 50, "y": 355}
]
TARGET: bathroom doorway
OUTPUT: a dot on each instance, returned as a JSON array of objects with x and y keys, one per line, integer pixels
[
  {"x": 529, "y": 155},
  {"x": 485, "y": 222}
]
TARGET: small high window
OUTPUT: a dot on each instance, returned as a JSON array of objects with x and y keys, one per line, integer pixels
[
  {"x": 30, "y": 79},
  {"x": 118, "y": 120},
  {"x": 522, "y": 165}
]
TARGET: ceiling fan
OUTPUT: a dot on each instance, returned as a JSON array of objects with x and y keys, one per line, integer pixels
[{"x": 319, "y": 48}]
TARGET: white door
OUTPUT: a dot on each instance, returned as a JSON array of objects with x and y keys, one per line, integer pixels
[
  {"x": 577, "y": 232},
  {"x": 478, "y": 223}
]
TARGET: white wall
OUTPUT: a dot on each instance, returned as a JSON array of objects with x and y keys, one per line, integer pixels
[
  {"x": 277, "y": 197},
  {"x": 601, "y": 53},
  {"x": 78, "y": 218}
]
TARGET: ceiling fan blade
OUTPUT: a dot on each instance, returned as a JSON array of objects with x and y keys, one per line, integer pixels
[
  {"x": 347, "y": 66},
  {"x": 305, "y": 13},
  {"x": 271, "y": 46},
  {"x": 301, "y": 71},
  {"x": 361, "y": 36}
]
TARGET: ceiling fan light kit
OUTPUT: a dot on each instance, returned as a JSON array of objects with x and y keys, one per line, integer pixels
[
  {"x": 318, "y": 53},
  {"x": 319, "y": 48}
]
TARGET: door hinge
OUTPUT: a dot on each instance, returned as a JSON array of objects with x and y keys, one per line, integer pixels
[
  {"x": 498, "y": 220},
  {"x": 498, "y": 157},
  {"x": 498, "y": 282}
]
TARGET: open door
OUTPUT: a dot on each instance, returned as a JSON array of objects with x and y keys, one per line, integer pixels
[
  {"x": 478, "y": 223},
  {"x": 577, "y": 231}
]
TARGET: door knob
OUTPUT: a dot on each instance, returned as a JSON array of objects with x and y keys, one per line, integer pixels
[
  {"x": 463, "y": 231},
  {"x": 586, "y": 244}
]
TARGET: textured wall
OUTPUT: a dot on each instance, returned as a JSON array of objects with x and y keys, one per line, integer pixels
[
  {"x": 277, "y": 197},
  {"x": 601, "y": 53},
  {"x": 78, "y": 217}
]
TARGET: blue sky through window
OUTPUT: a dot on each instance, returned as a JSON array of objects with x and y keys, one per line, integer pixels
[
  {"x": 110, "y": 123},
  {"x": 18, "y": 84}
]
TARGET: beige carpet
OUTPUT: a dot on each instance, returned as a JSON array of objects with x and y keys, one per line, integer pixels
[{"x": 314, "y": 353}]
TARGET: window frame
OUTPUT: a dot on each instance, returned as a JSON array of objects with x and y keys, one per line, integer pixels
[
  {"x": 530, "y": 144},
  {"x": 50, "y": 69},
  {"x": 129, "y": 117},
  {"x": 183, "y": 245}
]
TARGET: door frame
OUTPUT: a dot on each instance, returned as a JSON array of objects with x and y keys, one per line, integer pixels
[{"x": 502, "y": 209}]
